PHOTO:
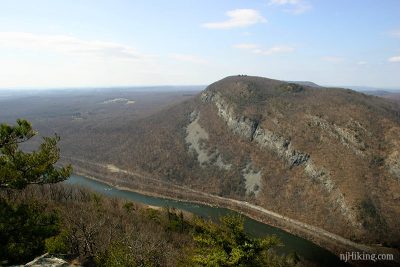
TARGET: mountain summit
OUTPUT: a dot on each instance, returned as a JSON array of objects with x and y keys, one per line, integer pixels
[{"x": 329, "y": 157}]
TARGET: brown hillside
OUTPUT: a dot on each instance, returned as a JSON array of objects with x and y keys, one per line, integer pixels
[{"x": 326, "y": 156}]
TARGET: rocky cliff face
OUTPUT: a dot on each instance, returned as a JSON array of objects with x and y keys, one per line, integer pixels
[
  {"x": 251, "y": 130},
  {"x": 240, "y": 125},
  {"x": 393, "y": 160},
  {"x": 335, "y": 152}
]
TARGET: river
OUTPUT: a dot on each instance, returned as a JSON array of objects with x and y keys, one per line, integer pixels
[{"x": 304, "y": 248}]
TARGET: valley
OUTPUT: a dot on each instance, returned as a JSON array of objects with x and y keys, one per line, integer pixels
[
  {"x": 259, "y": 133},
  {"x": 321, "y": 163}
]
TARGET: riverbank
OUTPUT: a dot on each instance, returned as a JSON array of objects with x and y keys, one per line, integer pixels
[
  {"x": 135, "y": 182},
  {"x": 309, "y": 253}
]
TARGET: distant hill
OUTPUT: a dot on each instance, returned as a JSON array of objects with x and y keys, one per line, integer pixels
[
  {"x": 371, "y": 89},
  {"x": 377, "y": 92},
  {"x": 392, "y": 95},
  {"x": 305, "y": 83}
]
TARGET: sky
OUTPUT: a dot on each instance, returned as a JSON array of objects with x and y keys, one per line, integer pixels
[{"x": 99, "y": 43}]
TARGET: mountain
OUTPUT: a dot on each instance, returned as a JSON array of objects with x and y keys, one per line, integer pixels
[{"x": 328, "y": 157}]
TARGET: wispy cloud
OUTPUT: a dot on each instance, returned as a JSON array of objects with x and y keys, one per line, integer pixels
[
  {"x": 333, "y": 59},
  {"x": 256, "y": 49},
  {"x": 189, "y": 58},
  {"x": 237, "y": 18},
  {"x": 362, "y": 63},
  {"x": 246, "y": 46},
  {"x": 70, "y": 45},
  {"x": 292, "y": 6},
  {"x": 394, "y": 33},
  {"x": 394, "y": 59}
]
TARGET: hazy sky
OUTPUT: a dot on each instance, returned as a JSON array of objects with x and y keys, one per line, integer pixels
[{"x": 74, "y": 43}]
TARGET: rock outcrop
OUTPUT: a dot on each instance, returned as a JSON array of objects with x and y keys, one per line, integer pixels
[
  {"x": 197, "y": 138},
  {"x": 251, "y": 130}
]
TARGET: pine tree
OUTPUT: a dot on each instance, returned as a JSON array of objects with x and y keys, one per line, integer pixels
[
  {"x": 228, "y": 244},
  {"x": 24, "y": 226},
  {"x": 18, "y": 168}
]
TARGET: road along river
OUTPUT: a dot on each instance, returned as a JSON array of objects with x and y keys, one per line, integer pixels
[{"x": 304, "y": 248}]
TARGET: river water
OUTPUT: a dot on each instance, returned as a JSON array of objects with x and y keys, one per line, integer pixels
[{"x": 304, "y": 248}]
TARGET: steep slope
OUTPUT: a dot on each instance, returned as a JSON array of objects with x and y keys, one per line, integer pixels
[
  {"x": 328, "y": 157},
  {"x": 337, "y": 151}
]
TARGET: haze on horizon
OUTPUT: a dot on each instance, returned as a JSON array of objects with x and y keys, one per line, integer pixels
[{"x": 50, "y": 44}]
